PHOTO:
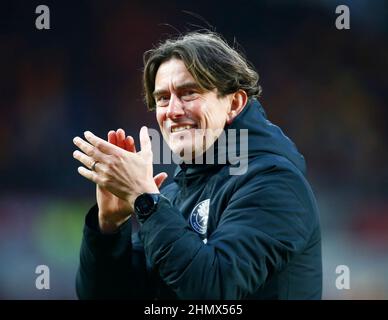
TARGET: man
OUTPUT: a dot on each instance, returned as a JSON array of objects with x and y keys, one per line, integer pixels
[{"x": 210, "y": 234}]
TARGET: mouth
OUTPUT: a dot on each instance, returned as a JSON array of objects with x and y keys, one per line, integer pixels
[{"x": 182, "y": 127}]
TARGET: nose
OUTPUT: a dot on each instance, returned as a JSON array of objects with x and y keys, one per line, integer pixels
[{"x": 175, "y": 108}]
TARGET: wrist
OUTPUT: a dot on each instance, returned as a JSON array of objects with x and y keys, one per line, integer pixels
[
  {"x": 151, "y": 188},
  {"x": 145, "y": 205},
  {"x": 108, "y": 226}
]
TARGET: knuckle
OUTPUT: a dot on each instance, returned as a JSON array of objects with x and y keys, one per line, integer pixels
[
  {"x": 109, "y": 163},
  {"x": 104, "y": 170},
  {"x": 116, "y": 160},
  {"x": 104, "y": 181},
  {"x": 92, "y": 152},
  {"x": 120, "y": 159}
]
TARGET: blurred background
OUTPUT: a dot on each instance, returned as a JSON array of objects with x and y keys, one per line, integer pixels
[{"x": 326, "y": 88}]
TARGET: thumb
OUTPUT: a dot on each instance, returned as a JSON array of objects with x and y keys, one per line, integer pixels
[
  {"x": 145, "y": 142},
  {"x": 159, "y": 178}
]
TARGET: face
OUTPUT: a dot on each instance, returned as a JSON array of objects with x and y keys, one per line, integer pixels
[{"x": 189, "y": 118}]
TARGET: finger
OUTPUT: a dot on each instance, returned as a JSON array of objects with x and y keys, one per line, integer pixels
[
  {"x": 130, "y": 144},
  {"x": 88, "y": 174},
  {"x": 145, "y": 142},
  {"x": 120, "y": 134},
  {"x": 84, "y": 159},
  {"x": 101, "y": 144},
  {"x": 88, "y": 149},
  {"x": 160, "y": 178},
  {"x": 112, "y": 137}
]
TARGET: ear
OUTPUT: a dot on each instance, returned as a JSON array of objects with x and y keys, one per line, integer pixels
[{"x": 238, "y": 102}]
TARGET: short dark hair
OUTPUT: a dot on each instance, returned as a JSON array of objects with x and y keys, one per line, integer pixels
[{"x": 209, "y": 59}]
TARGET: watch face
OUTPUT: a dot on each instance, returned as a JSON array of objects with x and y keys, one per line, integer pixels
[{"x": 144, "y": 204}]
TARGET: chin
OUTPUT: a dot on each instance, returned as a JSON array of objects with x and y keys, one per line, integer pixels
[{"x": 187, "y": 152}]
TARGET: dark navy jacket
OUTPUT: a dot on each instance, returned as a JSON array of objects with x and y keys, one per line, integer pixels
[{"x": 217, "y": 235}]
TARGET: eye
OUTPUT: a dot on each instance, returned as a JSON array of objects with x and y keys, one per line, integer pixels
[
  {"x": 162, "y": 100},
  {"x": 189, "y": 94}
]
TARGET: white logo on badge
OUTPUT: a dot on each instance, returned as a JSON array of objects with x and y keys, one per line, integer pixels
[{"x": 199, "y": 216}]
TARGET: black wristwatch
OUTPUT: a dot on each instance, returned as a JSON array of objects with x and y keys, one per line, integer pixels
[{"x": 145, "y": 205}]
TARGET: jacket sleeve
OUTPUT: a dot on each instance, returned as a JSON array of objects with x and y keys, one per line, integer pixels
[
  {"x": 267, "y": 220},
  {"x": 110, "y": 266}
]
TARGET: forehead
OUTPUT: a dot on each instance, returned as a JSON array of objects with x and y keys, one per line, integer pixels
[{"x": 172, "y": 72}]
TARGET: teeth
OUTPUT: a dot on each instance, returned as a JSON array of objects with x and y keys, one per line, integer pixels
[{"x": 181, "y": 128}]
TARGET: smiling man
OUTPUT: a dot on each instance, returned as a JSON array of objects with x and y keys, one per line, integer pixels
[
  {"x": 191, "y": 117},
  {"x": 209, "y": 234}
]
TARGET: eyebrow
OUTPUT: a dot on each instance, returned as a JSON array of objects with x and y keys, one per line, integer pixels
[{"x": 183, "y": 86}]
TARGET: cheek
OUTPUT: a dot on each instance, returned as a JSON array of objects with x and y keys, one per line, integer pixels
[
  {"x": 194, "y": 110},
  {"x": 214, "y": 117},
  {"x": 160, "y": 116}
]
